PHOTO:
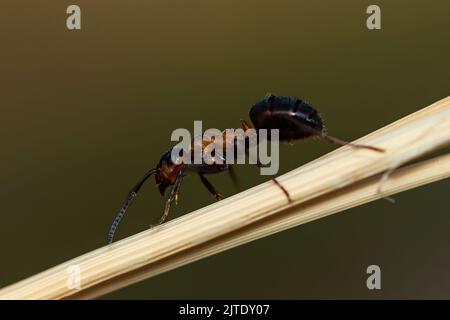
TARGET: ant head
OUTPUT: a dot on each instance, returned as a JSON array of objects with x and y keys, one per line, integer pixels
[{"x": 166, "y": 172}]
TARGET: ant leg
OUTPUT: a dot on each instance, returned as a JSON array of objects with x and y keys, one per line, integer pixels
[
  {"x": 210, "y": 187},
  {"x": 245, "y": 126},
  {"x": 341, "y": 142},
  {"x": 324, "y": 135},
  {"x": 279, "y": 185},
  {"x": 172, "y": 196},
  {"x": 234, "y": 178},
  {"x": 128, "y": 201}
]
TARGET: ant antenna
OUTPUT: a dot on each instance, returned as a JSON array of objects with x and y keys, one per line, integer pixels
[{"x": 129, "y": 199}]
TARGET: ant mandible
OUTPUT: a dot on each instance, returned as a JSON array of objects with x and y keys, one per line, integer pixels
[{"x": 294, "y": 118}]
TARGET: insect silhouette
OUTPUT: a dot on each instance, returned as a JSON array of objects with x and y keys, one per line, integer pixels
[{"x": 294, "y": 118}]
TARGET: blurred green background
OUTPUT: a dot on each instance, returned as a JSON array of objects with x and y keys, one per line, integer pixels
[{"x": 85, "y": 113}]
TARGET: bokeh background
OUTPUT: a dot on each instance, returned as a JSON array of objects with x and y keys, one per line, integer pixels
[{"x": 85, "y": 113}]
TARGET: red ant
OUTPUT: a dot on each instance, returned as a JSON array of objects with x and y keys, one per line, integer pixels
[{"x": 294, "y": 118}]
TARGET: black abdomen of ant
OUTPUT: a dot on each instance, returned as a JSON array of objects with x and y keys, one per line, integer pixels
[{"x": 294, "y": 118}]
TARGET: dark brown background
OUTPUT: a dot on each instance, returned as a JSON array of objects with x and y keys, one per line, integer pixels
[{"x": 85, "y": 113}]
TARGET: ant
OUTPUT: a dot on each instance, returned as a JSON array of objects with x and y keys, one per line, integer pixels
[{"x": 294, "y": 118}]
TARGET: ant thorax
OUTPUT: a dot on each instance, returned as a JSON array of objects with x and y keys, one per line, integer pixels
[{"x": 230, "y": 146}]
